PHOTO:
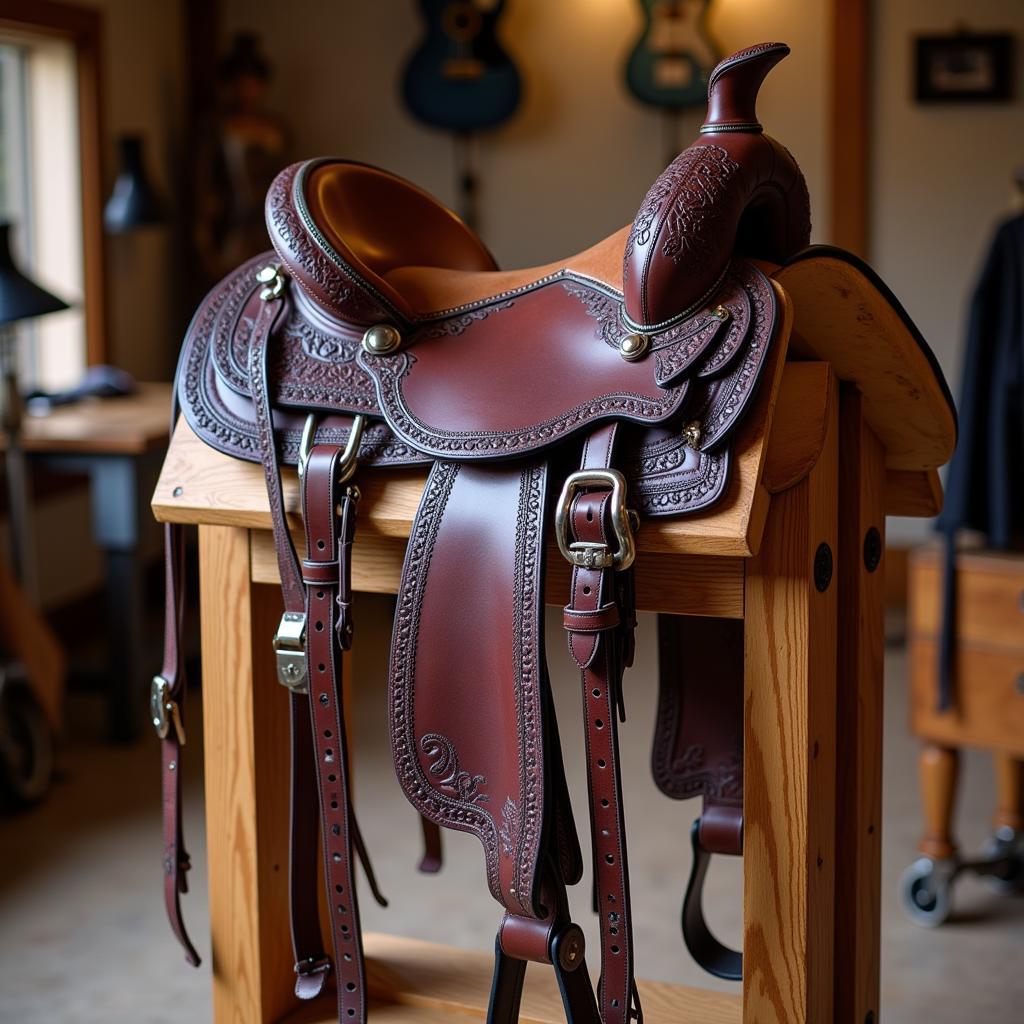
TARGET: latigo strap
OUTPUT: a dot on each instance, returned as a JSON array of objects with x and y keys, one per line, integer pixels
[{"x": 329, "y": 512}]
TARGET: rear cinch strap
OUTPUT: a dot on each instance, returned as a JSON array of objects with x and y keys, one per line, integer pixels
[{"x": 599, "y": 621}]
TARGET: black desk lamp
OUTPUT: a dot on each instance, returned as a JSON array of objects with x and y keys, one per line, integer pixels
[
  {"x": 134, "y": 202},
  {"x": 20, "y": 299}
]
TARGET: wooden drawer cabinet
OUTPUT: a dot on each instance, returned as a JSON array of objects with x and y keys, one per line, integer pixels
[
  {"x": 990, "y": 597},
  {"x": 988, "y": 707}
]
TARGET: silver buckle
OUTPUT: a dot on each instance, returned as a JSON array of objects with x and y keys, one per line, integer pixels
[
  {"x": 164, "y": 710},
  {"x": 590, "y": 554},
  {"x": 290, "y": 652},
  {"x": 349, "y": 457}
]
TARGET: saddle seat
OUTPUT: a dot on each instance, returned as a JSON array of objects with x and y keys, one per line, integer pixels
[{"x": 417, "y": 252}]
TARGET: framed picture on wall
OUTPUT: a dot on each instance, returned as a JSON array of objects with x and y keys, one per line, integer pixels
[{"x": 964, "y": 68}]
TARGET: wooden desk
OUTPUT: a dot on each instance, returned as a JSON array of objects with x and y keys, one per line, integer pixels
[
  {"x": 130, "y": 425},
  {"x": 119, "y": 443}
]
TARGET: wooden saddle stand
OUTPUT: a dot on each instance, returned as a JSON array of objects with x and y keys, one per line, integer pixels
[{"x": 585, "y": 403}]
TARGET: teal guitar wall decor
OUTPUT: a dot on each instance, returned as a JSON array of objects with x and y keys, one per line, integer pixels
[
  {"x": 460, "y": 77},
  {"x": 670, "y": 64}
]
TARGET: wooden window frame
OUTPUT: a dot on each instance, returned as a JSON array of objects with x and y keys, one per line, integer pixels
[{"x": 83, "y": 27}]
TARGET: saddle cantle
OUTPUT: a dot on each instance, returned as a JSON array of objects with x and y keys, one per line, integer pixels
[{"x": 380, "y": 333}]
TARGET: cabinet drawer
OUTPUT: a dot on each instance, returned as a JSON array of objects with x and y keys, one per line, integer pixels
[
  {"x": 988, "y": 708},
  {"x": 990, "y": 598}
]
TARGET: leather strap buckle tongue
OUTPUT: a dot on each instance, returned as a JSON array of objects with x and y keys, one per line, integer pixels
[
  {"x": 290, "y": 652},
  {"x": 590, "y": 554},
  {"x": 164, "y": 710}
]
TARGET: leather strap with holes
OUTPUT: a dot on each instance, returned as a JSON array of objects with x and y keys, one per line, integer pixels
[
  {"x": 311, "y": 963},
  {"x": 599, "y": 623},
  {"x": 176, "y": 861},
  {"x": 329, "y": 512}
]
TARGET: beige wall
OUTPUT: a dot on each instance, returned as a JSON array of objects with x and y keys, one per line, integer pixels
[
  {"x": 941, "y": 175},
  {"x": 143, "y": 91},
  {"x": 575, "y": 162}
]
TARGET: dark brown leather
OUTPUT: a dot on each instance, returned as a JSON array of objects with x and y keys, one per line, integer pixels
[
  {"x": 329, "y": 512},
  {"x": 698, "y": 751},
  {"x": 645, "y": 351},
  {"x": 734, "y": 190},
  {"x": 594, "y": 620}
]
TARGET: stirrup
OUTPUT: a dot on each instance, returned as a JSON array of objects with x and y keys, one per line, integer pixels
[
  {"x": 566, "y": 953},
  {"x": 706, "y": 950}
]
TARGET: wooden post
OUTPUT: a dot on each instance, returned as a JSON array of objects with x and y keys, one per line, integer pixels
[
  {"x": 245, "y": 715},
  {"x": 789, "y": 755},
  {"x": 859, "y": 697}
]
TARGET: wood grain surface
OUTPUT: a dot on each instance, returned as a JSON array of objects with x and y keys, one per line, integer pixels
[
  {"x": 422, "y": 982},
  {"x": 789, "y": 755}
]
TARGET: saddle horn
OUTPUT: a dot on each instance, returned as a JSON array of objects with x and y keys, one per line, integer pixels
[{"x": 734, "y": 191}]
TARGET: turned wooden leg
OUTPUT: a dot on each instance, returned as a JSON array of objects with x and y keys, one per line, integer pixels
[
  {"x": 1009, "y": 793},
  {"x": 938, "y": 767}
]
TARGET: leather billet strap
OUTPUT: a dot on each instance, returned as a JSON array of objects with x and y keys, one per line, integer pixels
[
  {"x": 599, "y": 622},
  {"x": 311, "y": 963},
  {"x": 329, "y": 512}
]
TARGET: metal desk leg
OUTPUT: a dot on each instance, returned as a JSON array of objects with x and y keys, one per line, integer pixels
[{"x": 117, "y": 511}]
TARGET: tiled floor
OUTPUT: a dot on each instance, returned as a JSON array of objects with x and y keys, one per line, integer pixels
[{"x": 83, "y": 938}]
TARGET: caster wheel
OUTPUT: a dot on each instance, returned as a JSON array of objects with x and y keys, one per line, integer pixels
[
  {"x": 26, "y": 746},
  {"x": 1010, "y": 877},
  {"x": 925, "y": 891}
]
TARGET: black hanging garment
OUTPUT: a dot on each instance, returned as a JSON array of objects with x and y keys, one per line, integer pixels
[{"x": 985, "y": 488}]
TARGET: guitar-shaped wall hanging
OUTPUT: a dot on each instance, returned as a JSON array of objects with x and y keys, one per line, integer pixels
[
  {"x": 461, "y": 79},
  {"x": 670, "y": 64}
]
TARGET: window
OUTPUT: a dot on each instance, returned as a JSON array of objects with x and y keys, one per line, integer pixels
[{"x": 41, "y": 195}]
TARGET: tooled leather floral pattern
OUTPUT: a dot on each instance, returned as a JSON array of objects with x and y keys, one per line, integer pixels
[
  {"x": 456, "y": 325},
  {"x": 390, "y": 370},
  {"x": 452, "y": 778},
  {"x": 661, "y": 485},
  {"x": 730, "y": 394},
  {"x": 677, "y": 349},
  {"x": 602, "y": 308},
  {"x": 696, "y": 210},
  {"x": 321, "y": 273},
  {"x": 432, "y": 803},
  {"x": 688, "y": 196},
  {"x": 527, "y": 648},
  {"x": 200, "y": 388}
]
